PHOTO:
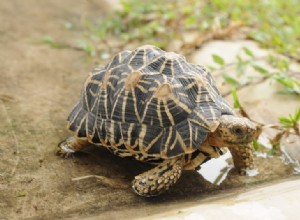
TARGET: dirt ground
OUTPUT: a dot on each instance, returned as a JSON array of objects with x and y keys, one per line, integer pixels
[{"x": 38, "y": 87}]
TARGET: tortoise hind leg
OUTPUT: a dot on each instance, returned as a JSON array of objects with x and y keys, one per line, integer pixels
[
  {"x": 70, "y": 145},
  {"x": 158, "y": 179},
  {"x": 242, "y": 158}
]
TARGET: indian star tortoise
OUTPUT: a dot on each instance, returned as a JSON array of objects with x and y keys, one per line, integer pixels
[{"x": 156, "y": 107}]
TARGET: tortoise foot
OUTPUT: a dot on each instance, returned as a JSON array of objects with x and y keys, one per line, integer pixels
[
  {"x": 243, "y": 159},
  {"x": 65, "y": 149},
  {"x": 158, "y": 179}
]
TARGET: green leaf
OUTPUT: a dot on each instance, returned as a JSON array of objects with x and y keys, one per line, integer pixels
[
  {"x": 291, "y": 84},
  {"x": 256, "y": 145},
  {"x": 248, "y": 52},
  {"x": 290, "y": 121},
  {"x": 286, "y": 122},
  {"x": 297, "y": 115},
  {"x": 230, "y": 80},
  {"x": 261, "y": 70},
  {"x": 51, "y": 42},
  {"x": 236, "y": 102},
  {"x": 217, "y": 59}
]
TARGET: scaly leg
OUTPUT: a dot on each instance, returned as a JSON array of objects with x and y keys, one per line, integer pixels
[
  {"x": 158, "y": 179},
  {"x": 202, "y": 155},
  {"x": 69, "y": 146},
  {"x": 242, "y": 158}
]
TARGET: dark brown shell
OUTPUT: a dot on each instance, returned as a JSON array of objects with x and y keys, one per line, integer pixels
[{"x": 148, "y": 103}]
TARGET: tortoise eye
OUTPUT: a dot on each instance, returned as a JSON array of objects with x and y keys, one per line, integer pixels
[{"x": 238, "y": 131}]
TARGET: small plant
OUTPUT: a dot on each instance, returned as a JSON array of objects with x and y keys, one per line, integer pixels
[
  {"x": 291, "y": 122},
  {"x": 52, "y": 43},
  {"x": 287, "y": 124},
  {"x": 281, "y": 75}
]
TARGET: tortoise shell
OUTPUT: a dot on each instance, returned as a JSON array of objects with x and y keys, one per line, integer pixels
[{"x": 148, "y": 103}]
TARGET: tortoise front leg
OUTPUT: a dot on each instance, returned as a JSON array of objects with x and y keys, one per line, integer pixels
[
  {"x": 242, "y": 158},
  {"x": 70, "y": 145},
  {"x": 203, "y": 154},
  {"x": 158, "y": 179}
]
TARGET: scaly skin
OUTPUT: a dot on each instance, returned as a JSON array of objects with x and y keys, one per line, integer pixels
[
  {"x": 159, "y": 179},
  {"x": 242, "y": 158}
]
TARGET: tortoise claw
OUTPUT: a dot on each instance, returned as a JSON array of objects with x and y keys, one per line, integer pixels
[{"x": 64, "y": 149}]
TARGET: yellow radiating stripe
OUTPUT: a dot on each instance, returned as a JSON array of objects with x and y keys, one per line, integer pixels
[
  {"x": 145, "y": 82},
  {"x": 76, "y": 115},
  {"x": 153, "y": 61},
  {"x": 191, "y": 133},
  {"x": 99, "y": 135},
  {"x": 181, "y": 142},
  {"x": 125, "y": 73},
  {"x": 183, "y": 94},
  {"x": 136, "y": 143},
  {"x": 95, "y": 82},
  {"x": 146, "y": 109},
  {"x": 159, "y": 114},
  {"x": 105, "y": 103},
  {"x": 198, "y": 98},
  {"x": 116, "y": 102},
  {"x": 163, "y": 66},
  {"x": 121, "y": 140},
  {"x": 212, "y": 112},
  {"x": 86, "y": 99},
  {"x": 172, "y": 67},
  {"x": 112, "y": 132},
  {"x": 176, "y": 85},
  {"x": 124, "y": 105},
  {"x": 111, "y": 86},
  {"x": 182, "y": 105},
  {"x": 96, "y": 97},
  {"x": 180, "y": 65},
  {"x": 133, "y": 56},
  {"x": 198, "y": 123},
  {"x": 152, "y": 89},
  {"x": 173, "y": 144},
  {"x": 153, "y": 141},
  {"x": 92, "y": 93},
  {"x": 170, "y": 116},
  {"x": 129, "y": 133},
  {"x": 135, "y": 105},
  {"x": 203, "y": 118},
  {"x": 114, "y": 76},
  {"x": 81, "y": 121},
  {"x": 119, "y": 57},
  {"x": 87, "y": 126},
  {"x": 168, "y": 139},
  {"x": 141, "y": 139},
  {"x": 190, "y": 85},
  {"x": 141, "y": 88}
]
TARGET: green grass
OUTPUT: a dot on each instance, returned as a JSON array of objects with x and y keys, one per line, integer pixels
[{"x": 273, "y": 23}]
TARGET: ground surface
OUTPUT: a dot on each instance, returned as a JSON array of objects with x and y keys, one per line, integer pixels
[{"x": 38, "y": 87}]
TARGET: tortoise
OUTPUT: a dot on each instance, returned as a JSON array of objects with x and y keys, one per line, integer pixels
[{"x": 156, "y": 107}]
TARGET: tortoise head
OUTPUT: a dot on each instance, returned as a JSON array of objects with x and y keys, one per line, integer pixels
[{"x": 232, "y": 131}]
